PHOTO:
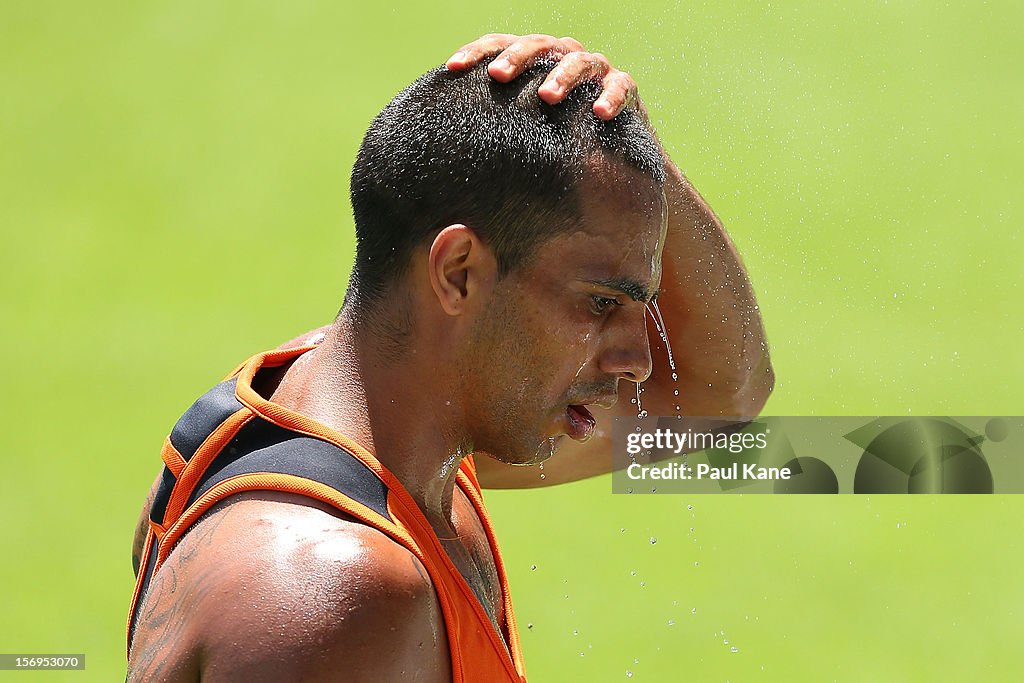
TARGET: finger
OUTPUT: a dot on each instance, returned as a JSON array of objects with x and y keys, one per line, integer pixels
[
  {"x": 570, "y": 44},
  {"x": 619, "y": 91},
  {"x": 574, "y": 68},
  {"x": 473, "y": 53},
  {"x": 522, "y": 54}
]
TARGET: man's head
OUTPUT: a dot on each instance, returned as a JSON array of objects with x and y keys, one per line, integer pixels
[
  {"x": 462, "y": 148},
  {"x": 527, "y": 238}
]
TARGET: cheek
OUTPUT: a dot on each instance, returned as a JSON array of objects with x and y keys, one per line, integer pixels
[
  {"x": 567, "y": 352},
  {"x": 555, "y": 344}
]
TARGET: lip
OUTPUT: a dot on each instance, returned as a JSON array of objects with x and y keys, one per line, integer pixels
[{"x": 580, "y": 422}]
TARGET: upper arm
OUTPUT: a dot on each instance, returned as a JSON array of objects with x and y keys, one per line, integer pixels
[{"x": 269, "y": 590}]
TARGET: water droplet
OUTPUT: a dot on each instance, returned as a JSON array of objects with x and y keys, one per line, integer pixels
[
  {"x": 575, "y": 632},
  {"x": 696, "y": 564},
  {"x": 622, "y": 530},
  {"x": 542, "y": 475},
  {"x": 629, "y": 674},
  {"x": 734, "y": 649},
  {"x": 533, "y": 568},
  {"x": 643, "y": 584},
  {"x": 653, "y": 540},
  {"x": 671, "y": 622},
  {"x": 693, "y": 611},
  {"x": 689, "y": 507},
  {"x": 529, "y": 626},
  {"x": 633, "y": 573},
  {"x": 676, "y": 393}
]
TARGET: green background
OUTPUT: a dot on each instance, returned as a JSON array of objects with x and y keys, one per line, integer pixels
[{"x": 173, "y": 197}]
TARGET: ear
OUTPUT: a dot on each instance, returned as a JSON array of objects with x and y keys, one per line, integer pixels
[{"x": 460, "y": 268}]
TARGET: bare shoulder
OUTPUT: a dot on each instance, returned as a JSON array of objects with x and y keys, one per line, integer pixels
[{"x": 275, "y": 587}]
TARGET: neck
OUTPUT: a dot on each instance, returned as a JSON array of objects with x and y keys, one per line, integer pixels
[{"x": 399, "y": 410}]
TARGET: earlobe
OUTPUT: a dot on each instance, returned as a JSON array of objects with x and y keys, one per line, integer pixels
[{"x": 454, "y": 264}]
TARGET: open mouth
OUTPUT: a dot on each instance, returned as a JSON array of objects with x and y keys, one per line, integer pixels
[{"x": 581, "y": 422}]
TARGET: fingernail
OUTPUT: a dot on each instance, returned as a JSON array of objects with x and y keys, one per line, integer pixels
[
  {"x": 458, "y": 57},
  {"x": 502, "y": 64}
]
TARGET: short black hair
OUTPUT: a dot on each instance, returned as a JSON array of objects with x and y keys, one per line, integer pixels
[{"x": 460, "y": 147}]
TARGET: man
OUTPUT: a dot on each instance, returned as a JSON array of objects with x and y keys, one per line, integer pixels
[{"x": 319, "y": 516}]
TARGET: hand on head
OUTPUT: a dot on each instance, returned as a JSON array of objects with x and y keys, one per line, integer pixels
[{"x": 515, "y": 54}]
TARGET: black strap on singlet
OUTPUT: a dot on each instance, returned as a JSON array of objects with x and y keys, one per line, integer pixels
[
  {"x": 259, "y": 447},
  {"x": 198, "y": 422}
]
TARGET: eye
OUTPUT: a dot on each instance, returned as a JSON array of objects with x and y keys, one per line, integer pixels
[{"x": 600, "y": 303}]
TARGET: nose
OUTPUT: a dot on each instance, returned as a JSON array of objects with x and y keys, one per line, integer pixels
[{"x": 627, "y": 353}]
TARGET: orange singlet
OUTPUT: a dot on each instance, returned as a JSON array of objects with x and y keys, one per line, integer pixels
[{"x": 233, "y": 440}]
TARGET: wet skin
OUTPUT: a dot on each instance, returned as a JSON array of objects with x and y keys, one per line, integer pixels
[
  {"x": 564, "y": 329},
  {"x": 233, "y": 600}
]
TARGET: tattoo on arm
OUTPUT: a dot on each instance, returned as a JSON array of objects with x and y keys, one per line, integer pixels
[{"x": 165, "y": 612}]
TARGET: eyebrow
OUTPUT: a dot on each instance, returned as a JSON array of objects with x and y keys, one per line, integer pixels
[{"x": 631, "y": 288}]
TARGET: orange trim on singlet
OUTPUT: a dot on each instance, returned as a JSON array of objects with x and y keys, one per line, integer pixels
[
  {"x": 158, "y": 529},
  {"x": 205, "y": 454},
  {"x": 468, "y": 641},
  {"x": 406, "y": 508},
  {"x": 147, "y": 547},
  {"x": 471, "y": 487},
  {"x": 468, "y": 467},
  {"x": 172, "y": 458}
]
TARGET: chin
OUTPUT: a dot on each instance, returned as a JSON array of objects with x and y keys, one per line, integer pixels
[
  {"x": 525, "y": 457},
  {"x": 545, "y": 449}
]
